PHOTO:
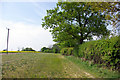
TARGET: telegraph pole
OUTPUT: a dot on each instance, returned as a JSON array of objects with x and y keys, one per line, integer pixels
[{"x": 7, "y": 39}]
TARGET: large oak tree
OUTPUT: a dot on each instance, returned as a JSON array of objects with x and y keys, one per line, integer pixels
[{"x": 73, "y": 22}]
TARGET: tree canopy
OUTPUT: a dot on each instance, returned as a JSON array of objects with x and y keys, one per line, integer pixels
[
  {"x": 43, "y": 49},
  {"x": 71, "y": 23},
  {"x": 54, "y": 49},
  {"x": 112, "y": 11}
]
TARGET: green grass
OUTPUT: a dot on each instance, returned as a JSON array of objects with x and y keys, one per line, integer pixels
[
  {"x": 31, "y": 65},
  {"x": 40, "y": 65},
  {"x": 93, "y": 69}
]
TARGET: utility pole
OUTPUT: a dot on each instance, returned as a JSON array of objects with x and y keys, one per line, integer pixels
[{"x": 7, "y": 39}]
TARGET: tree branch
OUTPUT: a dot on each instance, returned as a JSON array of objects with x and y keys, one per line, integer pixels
[
  {"x": 86, "y": 20},
  {"x": 86, "y": 35}
]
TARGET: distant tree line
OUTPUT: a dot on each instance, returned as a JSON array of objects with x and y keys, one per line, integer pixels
[
  {"x": 55, "y": 49},
  {"x": 27, "y": 49}
]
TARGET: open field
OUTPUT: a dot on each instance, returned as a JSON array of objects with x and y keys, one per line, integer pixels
[{"x": 41, "y": 65}]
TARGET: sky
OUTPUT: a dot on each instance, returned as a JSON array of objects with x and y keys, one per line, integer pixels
[{"x": 24, "y": 19}]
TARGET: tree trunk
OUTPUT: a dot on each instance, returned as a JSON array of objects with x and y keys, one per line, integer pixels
[{"x": 81, "y": 41}]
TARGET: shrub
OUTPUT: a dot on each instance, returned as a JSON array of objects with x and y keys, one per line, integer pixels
[
  {"x": 70, "y": 51},
  {"x": 67, "y": 51},
  {"x": 75, "y": 51},
  {"x": 105, "y": 52},
  {"x": 48, "y": 51}
]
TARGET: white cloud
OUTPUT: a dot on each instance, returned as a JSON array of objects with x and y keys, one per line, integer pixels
[
  {"x": 29, "y": 20},
  {"x": 24, "y": 35},
  {"x": 39, "y": 11}
]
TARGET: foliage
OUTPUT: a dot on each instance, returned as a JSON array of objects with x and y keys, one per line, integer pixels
[
  {"x": 27, "y": 49},
  {"x": 105, "y": 52},
  {"x": 48, "y": 51},
  {"x": 75, "y": 51},
  {"x": 71, "y": 23},
  {"x": 55, "y": 49},
  {"x": 43, "y": 49},
  {"x": 111, "y": 9},
  {"x": 67, "y": 51}
]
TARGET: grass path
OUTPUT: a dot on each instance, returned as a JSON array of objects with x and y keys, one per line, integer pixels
[{"x": 40, "y": 66}]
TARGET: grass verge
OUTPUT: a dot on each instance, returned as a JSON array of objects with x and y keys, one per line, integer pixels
[{"x": 93, "y": 69}]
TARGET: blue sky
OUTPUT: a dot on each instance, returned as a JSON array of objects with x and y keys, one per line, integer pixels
[
  {"x": 26, "y": 11},
  {"x": 24, "y": 20}
]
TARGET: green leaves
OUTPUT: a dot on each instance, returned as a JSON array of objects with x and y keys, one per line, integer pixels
[
  {"x": 111, "y": 10},
  {"x": 71, "y": 23},
  {"x": 105, "y": 52},
  {"x": 67, "y": 51}
]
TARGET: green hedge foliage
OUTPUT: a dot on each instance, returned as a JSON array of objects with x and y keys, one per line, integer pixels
[
  {"x": 67, "y": 51},
  {"x": 105, "y": 52},
  {"x": 48, "y": 51}
]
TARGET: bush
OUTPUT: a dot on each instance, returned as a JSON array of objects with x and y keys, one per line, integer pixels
[
  {"x": 67, "y": 51},
  {"x": 48, "y": 51},
  {"x": 70, "y": 51},
  {"x": 54, "y": 49},
  {"x": 105, "y": 52},
  {"x": 75, "y": 51}
]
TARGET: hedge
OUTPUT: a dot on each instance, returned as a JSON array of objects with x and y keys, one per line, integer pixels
[
  {"x": 67, "y": 51},
  {"x": 105, "y": 52},
  {"x": 48, "y": 51}
]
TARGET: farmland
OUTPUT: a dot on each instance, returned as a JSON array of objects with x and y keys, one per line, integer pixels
[
  {"x": 38, "y": 66},
  {"x": 42, "y": 65}
]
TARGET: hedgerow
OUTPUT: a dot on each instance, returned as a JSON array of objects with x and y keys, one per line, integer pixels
[
  {"x": 105, "y": 52},
  {"x": 67, "y": 51},
  {"x": 48, "y": 51}
]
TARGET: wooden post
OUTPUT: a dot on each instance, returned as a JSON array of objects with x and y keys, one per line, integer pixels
[{"x": 7, "y": 39}]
